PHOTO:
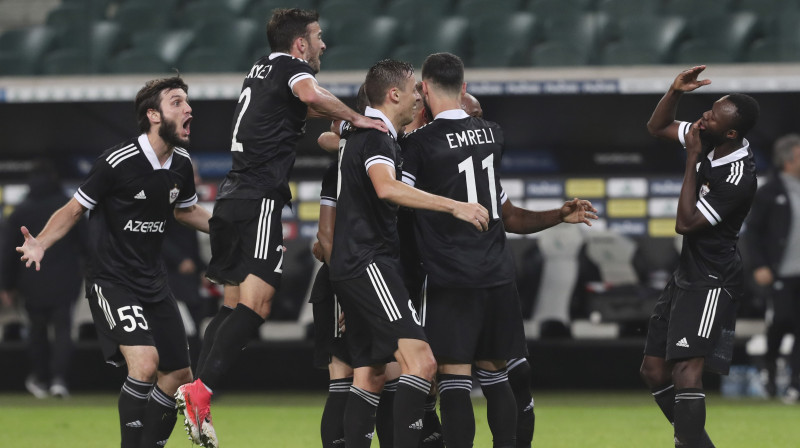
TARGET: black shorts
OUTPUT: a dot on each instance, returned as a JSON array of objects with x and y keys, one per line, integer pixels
[
  {"x": 122, "y": 319},
  {"x": 471, "y": 324},
  {"x": 246, "y": 238},
  {"x": 329, "y": 341},
  {"x": 377, "y": 312},
  {"x": 694, "y": 323}
]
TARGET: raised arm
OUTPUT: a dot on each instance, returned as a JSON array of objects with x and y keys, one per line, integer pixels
[
  {"x": 522, "y": 221},
  {"x": 325, "y": 104},
  {"x": 662, "y": 123},
  {"x": 390, "y": 189},
  {"x": 689, "y": 218},
  {"x": 57, "y": 226}
]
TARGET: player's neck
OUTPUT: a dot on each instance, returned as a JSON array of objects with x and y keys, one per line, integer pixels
[
  {"x": 162, "y": 149},
  {"x": 440, "y": 105},
  {"x": 727, "y": 149}
]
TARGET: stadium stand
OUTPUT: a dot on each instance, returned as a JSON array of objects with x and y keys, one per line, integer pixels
[{"x": 21, "y": 50}]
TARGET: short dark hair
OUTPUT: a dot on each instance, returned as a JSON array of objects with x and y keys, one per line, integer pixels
[
  {"x": 361, "y": 99},
  {"x": 286, "y": 25},
  {"x": 445, "y": 70},
  {"x": 747, "y": 112},
  {"x": 149, "y": 97},
  {"x": 383, "y": 76}
]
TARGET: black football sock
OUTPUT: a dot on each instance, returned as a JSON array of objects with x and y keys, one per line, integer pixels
[
  {"x": 132, "y": 402},
  {"x": 232, "y": 336},
  {"x": 431, "y": 427},
  {"x": 690, "y": 417},
  {"x": 501, "y": 408},
  {"x": 455, "y": 404},
  {"x": 159, "y": 419},
  {"x": 332, "y": 424},
  {"x": 665, "y": 399},
  {"x": 409, "y": 408},
  {"x": 211, "y": 333},
  {"x": 519, "y": 376},
  {"x": 384, "y": 423},
  {"x": 359, "y": 417}
]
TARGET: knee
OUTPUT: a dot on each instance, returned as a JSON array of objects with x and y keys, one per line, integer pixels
[
  {"x": 653, "y": 376},
  {"x": 427, "y": 367},
  {"x": 144, "y": 369},
  {"x": 170, "y": 381},
  {"x": 688, "y": 374}
]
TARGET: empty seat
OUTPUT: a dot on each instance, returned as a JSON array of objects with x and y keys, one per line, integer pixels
[
  {"x": 689, "y": 8},
  {"x": 211, "y": 60},
  {"x": 336, "y": 10},
  {"x": 733, "y": 33},
  {"x": 428, "y": 36},
  {"x": 199, "y": 12},
  {"x": 261, "y": 10},
  {"x": 554, "y": 8},
  {"x": 587, "y": 33},
  {"x": 237, "y": 37},
  {"x": 409, "y": 10},
  {"x": 21, "y": 50},
  {"x": 773, "y": 50},
  {"x": 482, "y": 9},
  {"x": 153, "y": 52},
  {"x": 623, "y": 53},
  {"x": 628, "y": 8},
  {"x": 659, "y": 35},
  {"x": 67, "y": 61},
  {"x": 504, "y": 41},
  {"x": 700, "y": 51},
  {"x": 767, "y": 7},
  {"x": 139, "y": 61},
  {"x": 559, "y": 54},
  {"x": 71, "y": 14},
  {"x": 348, "y": 57},
  {"x": 382, "y": 34},
  {"x": 93, "y": 45},
  {"x": 136, "y": 17}
]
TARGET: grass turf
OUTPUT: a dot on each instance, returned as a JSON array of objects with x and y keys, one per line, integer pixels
[{"x": 286, "y": 420}]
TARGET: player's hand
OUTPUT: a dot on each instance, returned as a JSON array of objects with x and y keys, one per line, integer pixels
[
  {"x": 187, "y": 266},
  {"x": 31, "y": 250},
  {"x": 687, "y": 79},
  {"x": 316, "y": 249},
  {"x": 6, "y": 299},
  {"x": 368, "y": 123},
  {"x": 473, "y": 213},
  {"x": 763, "y": 276},
  {"x": 578, "y": 211},
  {"x": 694, "y": 146},
  {"x": 341, "y": 322}
]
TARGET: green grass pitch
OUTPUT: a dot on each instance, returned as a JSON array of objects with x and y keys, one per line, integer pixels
[{"x": 287, "y": 420}]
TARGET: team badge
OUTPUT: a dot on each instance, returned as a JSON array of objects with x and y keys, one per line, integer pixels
[
  {"x": 704, "y": 190},
  {"x": 173, "y": 194}
]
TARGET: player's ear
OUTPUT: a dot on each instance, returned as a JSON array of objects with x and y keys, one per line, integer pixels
[
  {"x": 732, "y": 134},
  {"x": 463, "y": 89},
  {"x": 153, "y": 115}
]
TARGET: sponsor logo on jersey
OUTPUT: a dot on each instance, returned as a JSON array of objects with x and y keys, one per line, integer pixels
[
  {"x": 145, "y": 226},
  {"x": 704, "y": 190},
  {"x": 173, "y": 194}
]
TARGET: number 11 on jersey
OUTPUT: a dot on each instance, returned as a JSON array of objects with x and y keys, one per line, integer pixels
[{"x": 472, "y": 189}]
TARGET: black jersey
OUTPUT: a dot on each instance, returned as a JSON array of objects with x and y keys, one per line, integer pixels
[
  {"x": 366, "y": 226},
  {"x": 725, "y": 190},
  {"x": 458, "y": 156},
  {"x": 130, "y": 197},
  {"x": 268, "y": 121}
]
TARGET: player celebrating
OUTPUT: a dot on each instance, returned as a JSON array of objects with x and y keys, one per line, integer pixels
[
  {"x": 130, "y": 191},
  {"x": 471, "y": 306},
  {"x": 246, "y": 233},
  {"x": 692, "y": 326}
]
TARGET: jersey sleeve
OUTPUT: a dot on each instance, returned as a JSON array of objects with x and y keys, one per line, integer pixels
[
  {"x": 299, "y": 70},
  {"x": 683, "y": 129},
  {"x": 412, "y": 160},
  {"x": 378, "y": 150},
  {"x": 723, "y": 198},
  {"x": 187, "y": 197},
  {"x": 329, "y": 181},
  {"x": 97, "y": 184}
]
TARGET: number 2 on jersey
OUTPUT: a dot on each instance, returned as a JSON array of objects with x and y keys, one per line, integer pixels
[
  {"x": 472, "y": 188},
  {"x": 235, "y": 145}
]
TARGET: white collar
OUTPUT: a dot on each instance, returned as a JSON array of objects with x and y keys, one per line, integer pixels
[
  {"x": 375, "y": 113},
  {"x": 150, "y": 153},
  {"x": 279, "y": 53},
  {"x": 732, "y": 157},
  {"x": 452, "y": 114}
]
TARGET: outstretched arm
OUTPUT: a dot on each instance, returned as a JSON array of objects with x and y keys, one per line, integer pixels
[
  {"x": 57, "y": 226},
  {"x": 662, "y": 123},
  {"x": 193, "y": 216},
  {"x": 522, "y": 221},
  {"x": 390, "y": 189},
  {"x": 325, "y": 104}
]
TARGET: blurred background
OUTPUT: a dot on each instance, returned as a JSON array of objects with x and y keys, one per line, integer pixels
[{"x": 572, "y": 83}]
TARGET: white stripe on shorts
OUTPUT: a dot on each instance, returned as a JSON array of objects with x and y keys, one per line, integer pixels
[
  {"x": 103, "y": 303},
  {"x": 709, "y": 312},
  {"x": 264, "y": 224},
  {"x": 383, "y": 292}
]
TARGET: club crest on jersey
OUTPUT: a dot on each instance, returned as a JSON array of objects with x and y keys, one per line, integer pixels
[
  {"x": 704, "y": 190},
  {"x": 173, "y": 194}
]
